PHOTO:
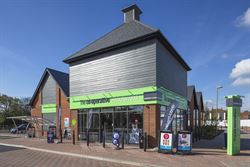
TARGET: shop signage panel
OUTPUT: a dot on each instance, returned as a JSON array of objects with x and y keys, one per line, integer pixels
[
  {"x": 48, "y": 108},
  {"x": 168, "y": 97},
  {"x": 138, "y": 96},
  {"x": 110, "y": 99}
]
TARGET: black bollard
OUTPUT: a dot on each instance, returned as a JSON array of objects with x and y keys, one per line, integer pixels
[
  {"x": 103, "y": 139},
  {"x": 61, "y": 137},
  {"x": 145, "y": 142},
  {"x": 74, "y": 142},
  {"x": 122, "y": 139},
  {"x": 87, "y": 137}
]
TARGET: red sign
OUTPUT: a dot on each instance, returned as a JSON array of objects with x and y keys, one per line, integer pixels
[{"x": 165, "y": 136}]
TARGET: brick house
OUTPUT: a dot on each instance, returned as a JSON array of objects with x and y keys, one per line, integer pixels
[{"x": 51, "y": 96}]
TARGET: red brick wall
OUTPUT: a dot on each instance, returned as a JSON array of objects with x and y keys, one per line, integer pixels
[
  {"x": 191, "y": 107},
  {"x": 36, "y": 111},
  {"x": 74, "y": 116},
  {"x": 244, "y": 115},
  {"x": 65, "y": 111},
  {"x": 151, "y": 123}
]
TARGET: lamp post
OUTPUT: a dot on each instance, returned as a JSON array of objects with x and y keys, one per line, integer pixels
[{"x": 217, "y": 94}]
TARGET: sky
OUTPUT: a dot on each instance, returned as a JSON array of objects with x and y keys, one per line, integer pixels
[{"x": 212, "y": 36}]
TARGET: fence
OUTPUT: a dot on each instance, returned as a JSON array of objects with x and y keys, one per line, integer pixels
[{"x": 243, "y": 123}]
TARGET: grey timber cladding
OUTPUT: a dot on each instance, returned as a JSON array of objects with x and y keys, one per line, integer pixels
[
  {"x": 129, "y": 67},
  {"x": 170, "y": 73},
  {"x": 49, "y": 91}
]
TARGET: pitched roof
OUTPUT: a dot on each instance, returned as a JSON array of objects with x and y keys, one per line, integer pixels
[
  {"x": 61, "y": 78},
  {"x": 125, "y": 34},
  {"x": 199, "y": 96},
  {"x": 122, "y": 33},
  {"x": 190, "y": 92}
]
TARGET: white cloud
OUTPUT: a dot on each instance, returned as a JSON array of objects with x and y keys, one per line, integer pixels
[
  {"x": 241, "y": 68},
  {"x": 244, "y": 20},
  {"x": 241, "y": 81}
]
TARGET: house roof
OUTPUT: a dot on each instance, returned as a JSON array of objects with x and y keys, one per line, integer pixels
[
  {"x": 123, "y": 33},
  {"x": 61, "y": 78},
  {"x": 126, "y": 34},
  {"x": 199, "y": 99},
  {"x": 190, "y": 92},
  {"x": 198, "y": 95}
]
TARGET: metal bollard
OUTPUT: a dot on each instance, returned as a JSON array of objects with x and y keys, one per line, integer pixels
[
  {"x": 122, "y": 139},
  {"x": 145, "y": 142},
  {"x": 74, "y": 142},
  {"x": 87, "y": 137},
  {"x": 103, "y": 139}
]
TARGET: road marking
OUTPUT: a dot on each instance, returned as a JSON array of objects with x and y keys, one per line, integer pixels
[
  {"x": 84, "y": 156},
  {"x": 223, "y": 163}
]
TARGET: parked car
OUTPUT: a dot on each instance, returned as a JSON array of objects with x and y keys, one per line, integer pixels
[{"x": 20, "y": 129}]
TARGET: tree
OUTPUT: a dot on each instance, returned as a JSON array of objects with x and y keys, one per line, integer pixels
[{"x": 12, "y": 106}]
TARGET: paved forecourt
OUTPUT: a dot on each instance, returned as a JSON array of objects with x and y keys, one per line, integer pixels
[{"x": 130, "y": 156}]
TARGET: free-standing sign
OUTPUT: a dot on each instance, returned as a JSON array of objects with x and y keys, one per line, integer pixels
[
  {"x": 116, "y": 139},
  {"x": 184, "y": 141},
  {"x": 166, "y": 141},
  {"x": 169, "y": 115},
  {"x": 50, "y": 137},
  {"x": 66, "y": 122},
  {"x": 233, "y": 103}
]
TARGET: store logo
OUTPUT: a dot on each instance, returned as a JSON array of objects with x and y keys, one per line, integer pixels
[
  {"x": 95, "y": 101},
  {"x": 165, "y": 136}
]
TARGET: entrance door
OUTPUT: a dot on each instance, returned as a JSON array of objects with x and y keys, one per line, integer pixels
[
  {"x": 135, "y": 126},
  {"x": 107, "y": 123}
]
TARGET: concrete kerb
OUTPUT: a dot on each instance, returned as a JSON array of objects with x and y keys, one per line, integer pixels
[{"x": 119, "y": 161}]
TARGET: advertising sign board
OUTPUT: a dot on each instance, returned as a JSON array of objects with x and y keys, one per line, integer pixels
[
  {"x": 166, "y": 141},
  {"x": 66, "y": 122},
  {"x": 169, "y": 115},
  {"x": 184, "y": 141}
]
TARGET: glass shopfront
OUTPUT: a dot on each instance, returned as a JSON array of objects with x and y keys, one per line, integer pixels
[{"x": 128, "y": 120}]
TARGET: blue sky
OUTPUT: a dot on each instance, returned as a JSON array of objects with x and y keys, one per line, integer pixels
[{"x": 212, "y": 36}]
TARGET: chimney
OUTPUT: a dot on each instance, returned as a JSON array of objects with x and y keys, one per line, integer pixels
[{"x": 131, "y": 13}]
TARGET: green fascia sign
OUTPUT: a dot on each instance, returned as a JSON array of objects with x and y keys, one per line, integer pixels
[
  {"x": 234, "y": 103},
  {"x": 169, "y": 96},
  {"x": 126, "y": 98},
  {"x": 48, "y": 108}
]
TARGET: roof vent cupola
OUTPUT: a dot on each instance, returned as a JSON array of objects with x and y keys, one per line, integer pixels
[{"x": 131, "y": 13}]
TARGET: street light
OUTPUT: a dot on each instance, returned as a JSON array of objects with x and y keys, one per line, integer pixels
[{"x": 217, "y": 92}]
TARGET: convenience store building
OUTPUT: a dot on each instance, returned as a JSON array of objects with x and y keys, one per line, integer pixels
[{"x": 125, "y": 80}]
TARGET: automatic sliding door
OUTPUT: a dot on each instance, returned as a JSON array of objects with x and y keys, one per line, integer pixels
[
  {"x": 120, "y": 121},
  {"x": 107, "y": 122},
  {"x": 135, "y": 123}
]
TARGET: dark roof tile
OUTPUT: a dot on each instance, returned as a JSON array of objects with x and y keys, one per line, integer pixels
[
  {"x": 61, "y": 78},
  {"x": 123, "y": 33}
]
